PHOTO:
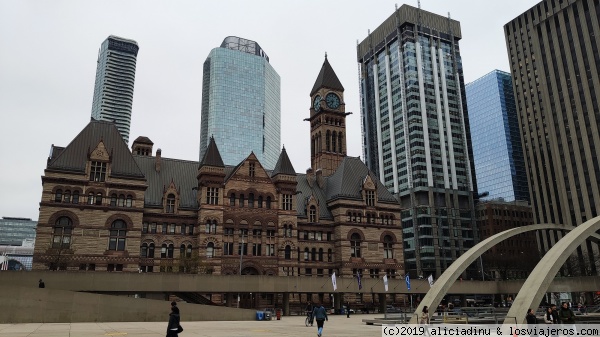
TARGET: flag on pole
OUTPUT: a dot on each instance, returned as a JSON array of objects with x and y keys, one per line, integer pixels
[
  {"x": 334, "y": 282},
  {"x": 358, "y": 279},
  {"x": 4, "y": 265},
  {"x": 430, "y": 279},
  {"x": 407, "y": 278},
  {"x": 385, "y": 282}
]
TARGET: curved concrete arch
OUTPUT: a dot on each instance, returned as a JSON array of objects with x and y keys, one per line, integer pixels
[
  {"x": 444, "y": 282},
  {"x": 539, "y": 280}
]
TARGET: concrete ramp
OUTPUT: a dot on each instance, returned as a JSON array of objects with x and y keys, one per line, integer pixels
[{"x": 34, "y": 305}]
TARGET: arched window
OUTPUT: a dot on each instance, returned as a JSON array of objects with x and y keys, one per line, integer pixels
[
  {"x": 268, "y": 202},
  {"x": 210, "y": 250},
  {"x": 91, "y": 198},
  {"x": 170, "y": 250},
  {"x": 182, "y": 251},
  {"x": 188, "y": 252},
  {"x": 355, "y": 245},
  {"x": 388, "y": 247},
  {"x": 207, "y": 228},
  {"x": 129, "y": 201},
  {"x": 232, "y": 199},
  {"x": 67, "y": 196},
  {"x": 213, "y": 227},
  {"x": 118, "y": 233},
  {"x": 75, "y": 199},
  {"x": 288, "y": 252},
  {"x": 313, "y": 254},
  {"x": 113, "y": 200},
  {"x": 99, "y": 199},
  {"x": 327, "y": 141},
  {"x": 242, "y": 200},
  {"x": 144, "y": 250},
  {"x": 121, "y": 201},
  {"x": 306, "y": 253},
  {"x": 321, "y": 254},
  {"x": 151, "y": 250},
  {"x": 340, "y": 149},
  {"x": 329, "y": 255},
  {"x": 171, "y": 203},
  {"x": 260, "y": 201},
  {"x": 333, "y": 141},
  {"x": 251, "y": 200},
  {"x": 61, "y": 236},
  {"x": 289, "y": 231},
  {"x": 313, "y": 213},
  {"x": 58, "y": 195},
  {"x": 163, "y": 251}
]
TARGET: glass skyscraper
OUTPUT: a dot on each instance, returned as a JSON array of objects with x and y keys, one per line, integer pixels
[
  {"x": 497, "y": 149},
  {"x": 416, "y": 133},
  {"x": 14, "y": 230},
  {"x": 115, "y": 78},
  {"x": 241, "y": 104}
]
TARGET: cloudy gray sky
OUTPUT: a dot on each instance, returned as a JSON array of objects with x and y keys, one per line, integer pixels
[{"x": 48, "y": 53}]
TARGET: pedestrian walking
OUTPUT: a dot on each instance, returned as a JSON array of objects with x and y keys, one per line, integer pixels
[
  {"x": 348, "y": 310},
  {"x": 320, "y": 314},
  {"x": 174, "y": 327},
  {"x": 555, "y": 314},
  {"x": 41, "y": 284}
]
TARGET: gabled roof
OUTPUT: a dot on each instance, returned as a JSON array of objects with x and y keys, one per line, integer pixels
[
  {"x": 181, "y": 172},
  {"x": 327, "y": 79},
  {"x": 284, "y": 165},
  {"x": 306, "y": 192},
  {"x": 75, "y": 155},
  {"x": 347, "y": 181},
  {"x": 212, "y": 157}
]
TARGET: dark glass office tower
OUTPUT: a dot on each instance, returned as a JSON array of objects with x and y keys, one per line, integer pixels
[
  {"x": 555, "y": 65},
  {"x": 416, "y": 133},
  {"x": 241, "y": 103},
  {"x": 497, "y": 148},
  {"x": 115, "y": 79}
]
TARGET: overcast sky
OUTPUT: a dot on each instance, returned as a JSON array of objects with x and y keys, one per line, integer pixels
[{"x": 49, "y": 49}]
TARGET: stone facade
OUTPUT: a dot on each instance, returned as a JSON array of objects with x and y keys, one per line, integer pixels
[{"x": 107, "y": 208}]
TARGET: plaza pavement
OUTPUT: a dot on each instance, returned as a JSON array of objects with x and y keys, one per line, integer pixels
[{"x": 338, "y": 325}]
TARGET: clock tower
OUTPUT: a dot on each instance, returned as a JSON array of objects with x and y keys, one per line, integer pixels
[{"x": 327, "y": 121}]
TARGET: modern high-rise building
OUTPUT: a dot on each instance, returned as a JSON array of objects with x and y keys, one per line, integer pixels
[
  {"x": 14, "y": 231},
  {"x": 497, "y": 149},
  {"x": 241, "y": 103},
  {"x": 555, "y": 65},
  {"x": 416, "y": 133},
  {"x": 115, "y": 79}
]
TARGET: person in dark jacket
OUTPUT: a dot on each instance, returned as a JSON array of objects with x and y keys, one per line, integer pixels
[
  {"x": 555, "y": 314},
  {"x": 173, "y": 327},
  {"x": 530, "y": 317},
  {"x": 41, "y": 284},
  {"x": 348, "y": 310},
  {"x": 566, "y": 315},
  {"x": 320, "y": 314}
]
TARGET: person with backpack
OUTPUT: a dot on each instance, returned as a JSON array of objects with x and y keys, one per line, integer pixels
[{"x": 320, "y": 314}]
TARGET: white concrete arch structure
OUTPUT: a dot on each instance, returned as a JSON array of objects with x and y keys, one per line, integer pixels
[
  {"x": 539, "y": 280},
  {"x": 444, "y": 282}
]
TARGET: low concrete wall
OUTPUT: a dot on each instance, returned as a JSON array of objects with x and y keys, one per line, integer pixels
[{"x": 34, "y": 305}]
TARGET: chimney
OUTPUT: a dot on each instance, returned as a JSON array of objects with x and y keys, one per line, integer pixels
[
  {"x": 310, "y": 176},
  {"x": 158, "y": 155},
  {"x": 320, "y": 180}
]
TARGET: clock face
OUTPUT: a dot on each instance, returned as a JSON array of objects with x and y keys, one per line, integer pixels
[
  {"x": 333, "y": 101},
  {"x": 317, "y": 103}
]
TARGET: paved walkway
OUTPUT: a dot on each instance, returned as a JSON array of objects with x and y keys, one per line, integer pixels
[{"x": 338, "y": 325}]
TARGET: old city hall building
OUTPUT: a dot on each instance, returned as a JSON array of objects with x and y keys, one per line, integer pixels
[{"x": 106, "y": 208}]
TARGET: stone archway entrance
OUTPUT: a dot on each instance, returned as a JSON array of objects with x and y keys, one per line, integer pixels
[{"x": 250, "y": 271}]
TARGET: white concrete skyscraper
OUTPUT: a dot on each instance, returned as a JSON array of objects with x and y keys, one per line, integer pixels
[{"x": 115, "y": 79}]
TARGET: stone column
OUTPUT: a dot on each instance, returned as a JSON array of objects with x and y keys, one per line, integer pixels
[
  {"x": 286, "y": 304},
  {"x": 382, "y": 302},
  {"x": 337, "y": 299},
  {"x": 228, "y": 299}
]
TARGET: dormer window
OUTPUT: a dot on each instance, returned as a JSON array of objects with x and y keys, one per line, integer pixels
[
  {"x": 370, "y": 198},
  {"x": 98, "y": 171},
  {"x": 312, "y": 213},
  {"x": 171, "y": 203}
]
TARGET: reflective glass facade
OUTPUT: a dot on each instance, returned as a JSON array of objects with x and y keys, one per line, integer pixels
[
  {"x": 14, "y": 230},
  {"x": 241, "y": 104},
  {"x": 115, "y": 79},
  {"x": 497, "y": 149},
  {"x": 416, "y": 133}
]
